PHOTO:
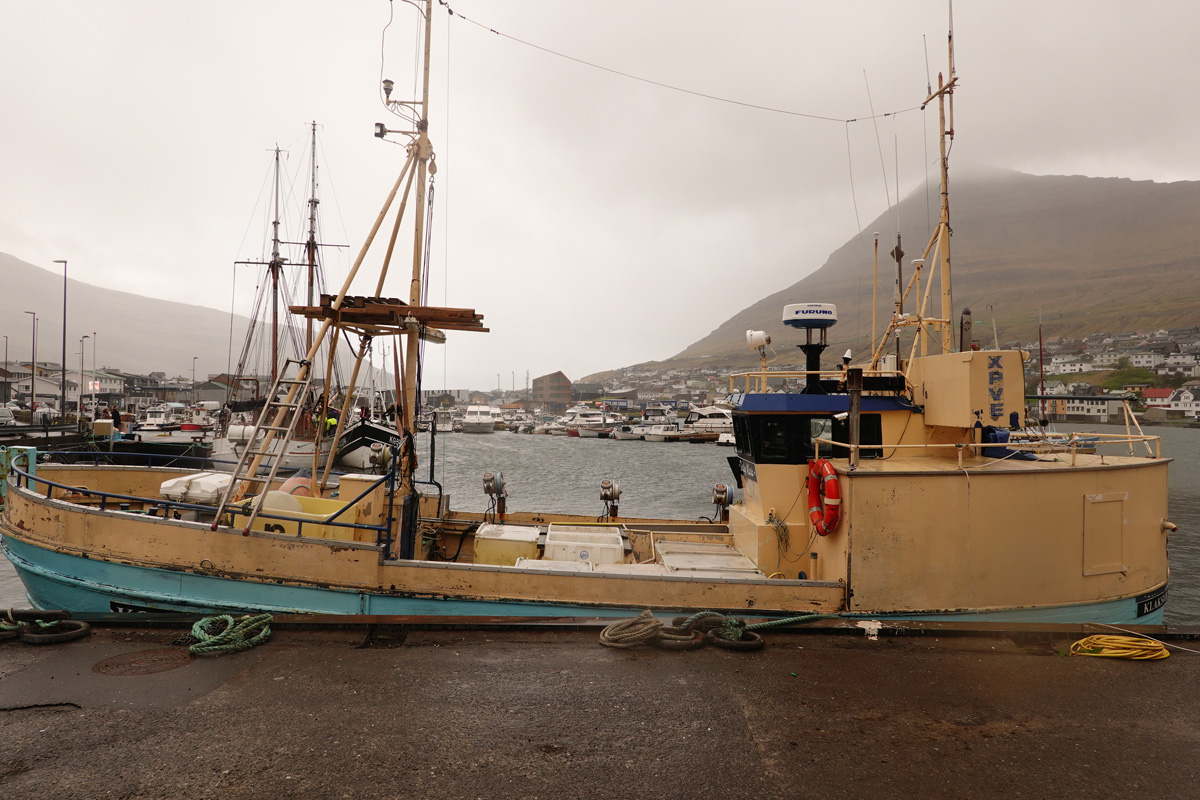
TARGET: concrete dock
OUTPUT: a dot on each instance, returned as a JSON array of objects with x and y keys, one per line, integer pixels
[{"x": 368, "y": 708}]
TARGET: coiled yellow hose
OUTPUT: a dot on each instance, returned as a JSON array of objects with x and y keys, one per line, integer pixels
[{"x": 1108, "y": 646}]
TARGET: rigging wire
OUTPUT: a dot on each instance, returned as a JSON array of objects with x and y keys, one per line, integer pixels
[
  {"x": 662, "y": 85},
  {"x": 887, "y": 192}
]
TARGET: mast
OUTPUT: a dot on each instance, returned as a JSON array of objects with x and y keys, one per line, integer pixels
[
  {"x": 424, "y": 151},
  {"x": 310, "y": 246},
  {"x": 946, "y": 97},
  {"x": 275, "y": 266}
]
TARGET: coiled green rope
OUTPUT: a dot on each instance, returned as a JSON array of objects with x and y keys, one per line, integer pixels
[
  {"x": 222, "y": 634},
  {"x": 732, "y": 628}
]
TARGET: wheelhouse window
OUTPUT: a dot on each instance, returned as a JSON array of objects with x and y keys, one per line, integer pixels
[{"x": 789, "y": 438}]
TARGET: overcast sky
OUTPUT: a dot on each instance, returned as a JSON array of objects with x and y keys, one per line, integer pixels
[{"x": 594, "y": 219}]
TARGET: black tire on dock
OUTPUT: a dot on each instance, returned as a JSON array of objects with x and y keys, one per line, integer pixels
[
  {"x": 67, "y": 630},
  {"x": 694, "y": 643},
  {"x": 749, "y": 641},
  {"x": 5, "y": 635}
]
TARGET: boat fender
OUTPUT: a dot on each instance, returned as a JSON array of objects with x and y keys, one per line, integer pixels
[{"x": 824, "y": 496}]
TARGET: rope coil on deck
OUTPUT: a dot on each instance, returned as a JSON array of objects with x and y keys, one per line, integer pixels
[
  {"x": 222, "y": 634},
  {"x": 1131, "y": 647}
]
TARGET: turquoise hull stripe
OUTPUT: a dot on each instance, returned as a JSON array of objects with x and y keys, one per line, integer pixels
[{"x": 60, "y": 581}]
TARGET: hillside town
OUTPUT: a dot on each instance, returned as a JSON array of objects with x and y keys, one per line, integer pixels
[{"x": 1157, "y": 371}]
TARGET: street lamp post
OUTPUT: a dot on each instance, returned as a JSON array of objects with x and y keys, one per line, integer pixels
[
  {"x": 33, "y": 367},
  {"x": 62, "y": 391},
  {"x": 93, "y": 386},
  {"x": 194, "y": 379},
  {"x": 79, "y": 397}
]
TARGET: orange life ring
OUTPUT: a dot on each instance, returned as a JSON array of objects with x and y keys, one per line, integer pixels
[{"x": 824, "y": 496}]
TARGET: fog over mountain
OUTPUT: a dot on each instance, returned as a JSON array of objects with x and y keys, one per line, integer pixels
[
  {"x": 1083, "y": 254},
  {"x": 133, "y": 333}
]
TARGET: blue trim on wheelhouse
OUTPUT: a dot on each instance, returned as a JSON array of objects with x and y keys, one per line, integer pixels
[{"x": 819, "y": 403}]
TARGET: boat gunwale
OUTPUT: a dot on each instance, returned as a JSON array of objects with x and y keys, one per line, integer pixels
[{"x": 22, "y": 488}]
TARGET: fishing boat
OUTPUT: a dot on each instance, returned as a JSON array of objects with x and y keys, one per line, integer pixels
[{"x": 887, "y": 489}]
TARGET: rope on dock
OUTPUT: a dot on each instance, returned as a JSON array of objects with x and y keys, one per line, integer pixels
[
  {"x": 1109, "y": 646},
  {"x": 717, "y": 629},
  {"x": 222, "y": 634},
  {"x": 631, "y": 632}
]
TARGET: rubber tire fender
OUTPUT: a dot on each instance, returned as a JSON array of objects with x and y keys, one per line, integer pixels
[
  {"x": 14, "y": 633},
  {"x": 695, "y": 643},
  {"x": 67, "y": 630},
  {"x": 749, "y": 641}
]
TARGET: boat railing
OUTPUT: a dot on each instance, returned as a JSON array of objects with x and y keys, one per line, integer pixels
[
  {"x": 129, "y": 459},
  {"x": 169, "y": 509},
  {"x": 1072, "y": 443},
  {"x": 758, "y": 381}
]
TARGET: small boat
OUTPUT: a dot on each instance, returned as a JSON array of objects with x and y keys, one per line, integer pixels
[
  {"x": 478, "y": 419},
  {"x": 657, "y": 419},
  {"x": 164, "y": 417},
  {"x": 709, "y": 419}
]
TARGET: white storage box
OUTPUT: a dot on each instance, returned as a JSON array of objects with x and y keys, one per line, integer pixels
[
  {"x": 504, "y": 545},
  {"x": 203, "y": 488},
  {"x": 596, "y": 544}
]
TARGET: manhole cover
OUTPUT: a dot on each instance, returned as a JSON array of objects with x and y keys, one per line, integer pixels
[{"x": 143, "y": 662}]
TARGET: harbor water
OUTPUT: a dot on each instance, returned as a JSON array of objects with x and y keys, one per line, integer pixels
[{"x": 675, "y": 480}]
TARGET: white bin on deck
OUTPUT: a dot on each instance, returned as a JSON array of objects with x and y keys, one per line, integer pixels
[
  {"x": 203, "y": 488},
  {"x": 595, "y": 544}
]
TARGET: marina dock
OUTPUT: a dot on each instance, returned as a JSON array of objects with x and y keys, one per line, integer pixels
[{"x": 384, "y": 707}]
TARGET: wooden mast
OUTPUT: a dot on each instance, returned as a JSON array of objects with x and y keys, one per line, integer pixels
[{"x": 423, "y": 153}]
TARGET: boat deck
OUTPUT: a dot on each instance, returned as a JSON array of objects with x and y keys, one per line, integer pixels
[{"x": 908, "y": 464}]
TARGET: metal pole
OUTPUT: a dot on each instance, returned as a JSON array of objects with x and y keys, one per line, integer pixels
[
  {"x": 7, "y": 388},
  {"x": 62, "y": 392},
  {"x": 194, "y": 379},
  {"x": 33, "y": 368},
  {"x": 854, "y": 388},
  {"x": 93, "y": 386},
  {"x": 79, "y": 398}
]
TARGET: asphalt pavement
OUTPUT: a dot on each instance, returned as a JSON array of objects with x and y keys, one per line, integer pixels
[{"x": 383, "y": 711}]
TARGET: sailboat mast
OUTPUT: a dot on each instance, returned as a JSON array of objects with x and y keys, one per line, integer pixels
[
  {"x": 423, "y": 151},
  {"x": 311, "y": 244},
  {"x": 275, "y": 266}
]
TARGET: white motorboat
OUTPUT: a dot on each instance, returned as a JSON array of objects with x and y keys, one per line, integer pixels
[{"x": 478, "y": 419}]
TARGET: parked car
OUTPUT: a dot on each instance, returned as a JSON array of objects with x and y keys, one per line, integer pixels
[
  {"x": 7, "y": 417},
  {"x": 14, "y": 405}
]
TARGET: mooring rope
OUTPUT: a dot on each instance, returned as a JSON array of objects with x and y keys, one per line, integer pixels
[{"x": 222, "y": 634}]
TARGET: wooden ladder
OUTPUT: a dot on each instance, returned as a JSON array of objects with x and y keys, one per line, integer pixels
[{"x": 283, "y": 416}]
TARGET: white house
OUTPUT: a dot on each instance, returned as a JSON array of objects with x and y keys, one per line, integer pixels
[{"x": 1186, "y": 400}]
